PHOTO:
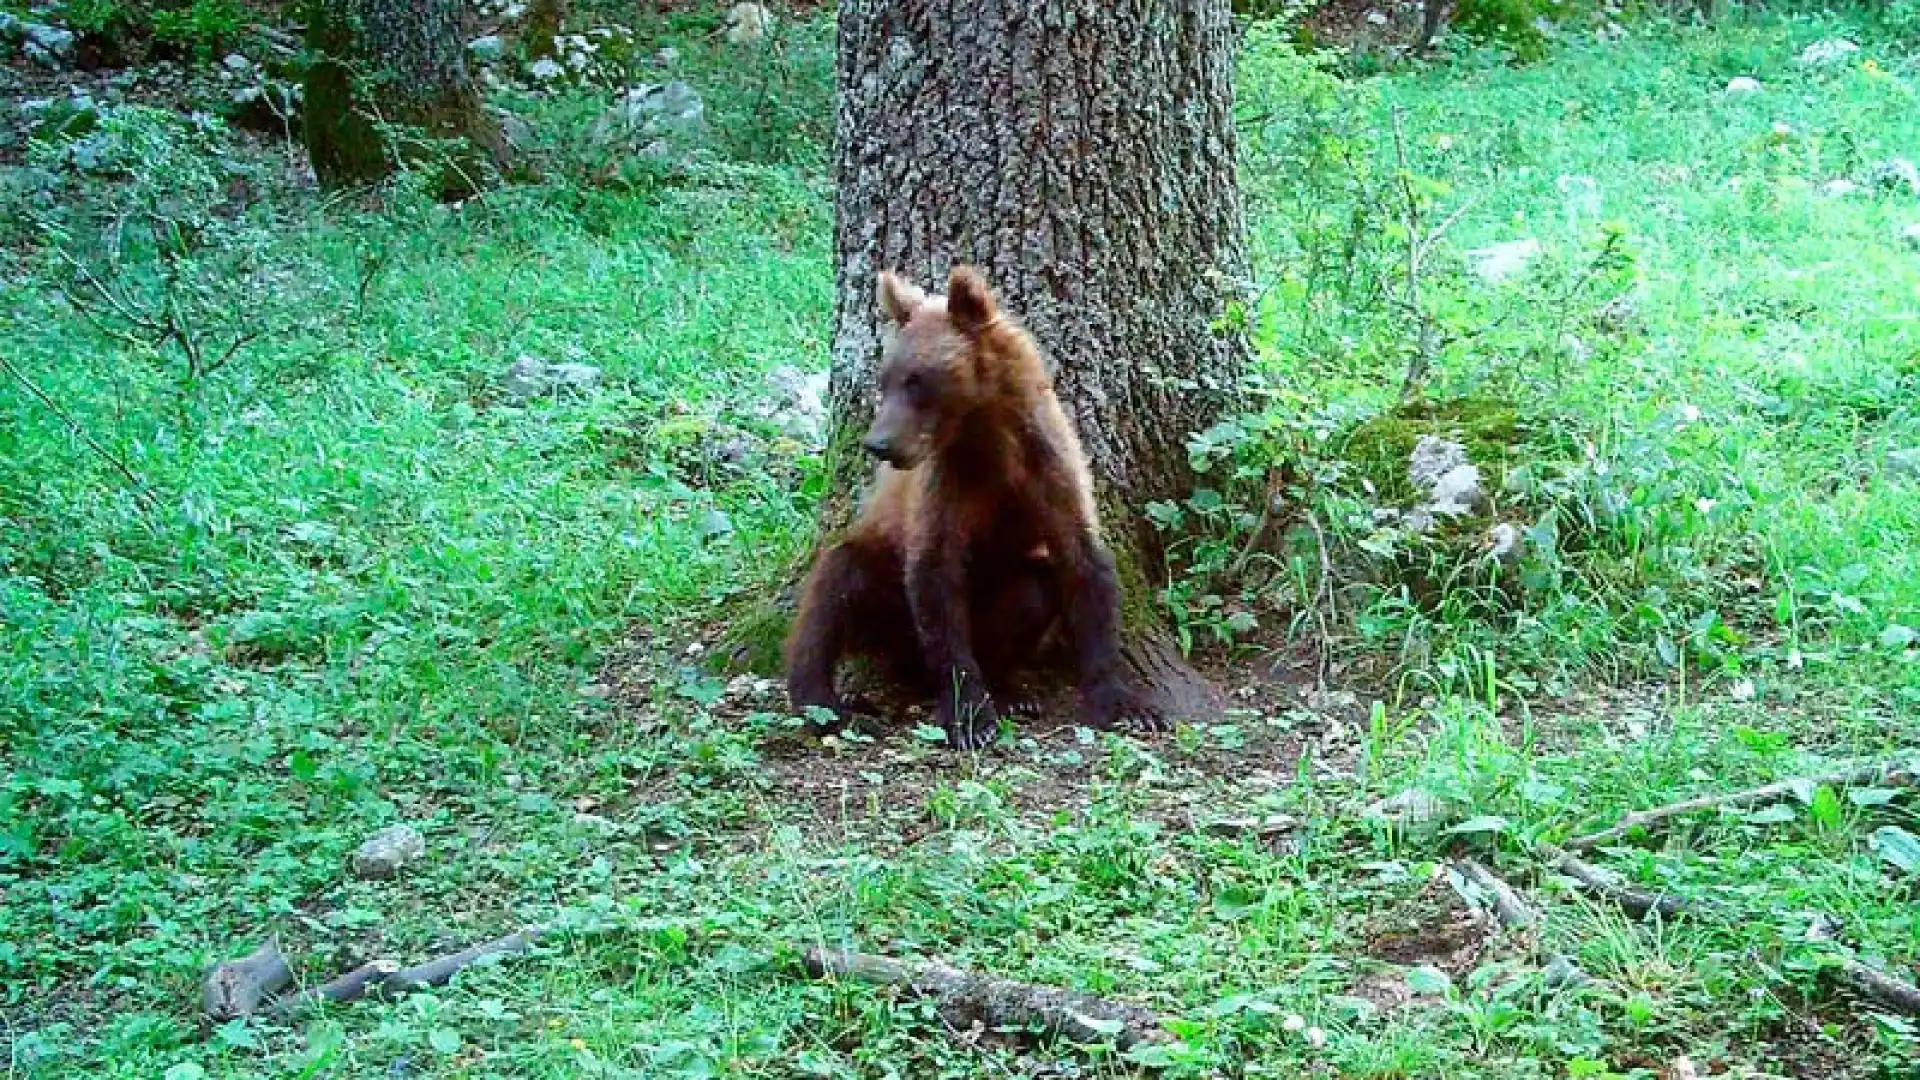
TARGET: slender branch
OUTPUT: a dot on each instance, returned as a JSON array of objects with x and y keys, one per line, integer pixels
[
  {"x": 1508, "y": 906},
  {"x": 1879, "y": 986},
  {"x": 1892, "y": 771},
  {"x": 1636, "y": 902},
  {"x": 79, "y": 432},
  {"x": 968, "y": 998}
]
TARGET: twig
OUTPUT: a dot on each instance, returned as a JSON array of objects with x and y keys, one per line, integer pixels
[
  {"x": 1636, "y": 902},
  {"x": 967, "y": 998},
  {"x": 1508, "y": 906},
  {"x": 139, "y": 486},
  {"x": 1323, "y": 591},
  {"x": 1893, "y": 771}
]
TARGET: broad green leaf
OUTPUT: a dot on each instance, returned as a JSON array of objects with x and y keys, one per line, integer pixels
[{"x": 1898, "y": 847}]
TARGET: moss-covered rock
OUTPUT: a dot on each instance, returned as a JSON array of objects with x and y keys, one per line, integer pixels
[{"x": 1494, "y": 433}]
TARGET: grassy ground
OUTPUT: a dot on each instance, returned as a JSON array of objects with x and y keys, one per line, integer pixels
[{"x": 369, "y": 588}]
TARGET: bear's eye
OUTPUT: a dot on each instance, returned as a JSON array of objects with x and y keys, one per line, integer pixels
[{"x": 915, "y": 385}]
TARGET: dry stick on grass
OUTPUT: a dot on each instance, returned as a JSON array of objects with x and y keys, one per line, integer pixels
[
  {"x": 966, "y": 998},
  {"x": 1636, "y": 902},
  {"x": 242, "y": 987},
  {"x": 1870, "y": 983},
  {"x": 1892, "y": 771},
  {"x": 1508, "y": 906}
]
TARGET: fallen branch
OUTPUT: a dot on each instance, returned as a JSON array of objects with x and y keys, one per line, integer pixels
[
  {"x": 1893, "y": 771},
  {"x": 967, "y": 998},
  {"x": 386, "y": 979},
  {"x": 1636, "y": 902},
  {"x": 1879, "y": 986},
  {"x": 1509, "y": 908},
  {"x": 239, "y": 987}
]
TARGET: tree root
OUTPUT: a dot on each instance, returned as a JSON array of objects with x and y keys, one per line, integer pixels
[
  {"x": 1897, "y": 770},
  {"x": 967, "y": 998}
]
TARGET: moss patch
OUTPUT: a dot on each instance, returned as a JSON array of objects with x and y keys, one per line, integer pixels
[{"x": 1379, "y": 449}]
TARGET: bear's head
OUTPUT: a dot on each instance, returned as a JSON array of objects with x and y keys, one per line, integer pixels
[{"x": 948, "y": 356}]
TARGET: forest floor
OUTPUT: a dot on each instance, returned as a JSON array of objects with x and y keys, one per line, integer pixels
[{"x": 364, "y": 575}]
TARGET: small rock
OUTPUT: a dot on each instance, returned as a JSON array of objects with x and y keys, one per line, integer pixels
[
  {"x": 487, "y": 49},
  {"x": 1619, "y": 314},
  {"x": 591, "y": 822},
  {"x": 1459, "y": 493},
  {"x": 531, "y": 377},
  {"x": 387, "y": 851},
  {"x": 1498, "y": 262},
  {"x": 1505, "y": 543},
  {"x": 1583, "y": 196},
  {"x": 237, "y": 64},
  {"x": 748, "y": 23},
  {"x": 1899, "y": 175},
  {"x": 1561, "y": 974},
  {"x": 645, "y": 113},
  {"x": 1433, "y": 458},
  {"x": 49, "y": 46},
  {"x": 546, "y": 69},
  {"x": 1377, "y": 18},
  {"x": 797, "y": 401},
  {"x": 1838, "y": 188},
  {"x": 1905, "y": 464},
  {"x": 666, "y": 57},
  {"x": 1743, "y": 84},
  {"x": 1332, "y": 701},
  {"x": 1411, "y": 807},
  {"x": 1827, "y": 53}
]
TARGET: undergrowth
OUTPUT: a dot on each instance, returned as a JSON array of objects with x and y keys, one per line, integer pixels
[{"x": 260, "y": 600}]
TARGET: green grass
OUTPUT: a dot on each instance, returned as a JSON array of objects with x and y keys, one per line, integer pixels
[{"x": 372, "y": 589}]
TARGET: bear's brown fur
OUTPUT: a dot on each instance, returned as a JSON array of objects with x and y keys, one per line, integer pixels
[{"x": 980, "y": 537}]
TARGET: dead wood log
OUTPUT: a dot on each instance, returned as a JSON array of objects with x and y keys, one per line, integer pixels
[
  {"x": 1897, "y": 770},
  {"x": 238, "y": 987},
  {"x": 1509, "y": 908},
  {"x": 1635, "y": 901},
  {"x": 1876, "y": 985},
  {"x": 967, "y": 998}
]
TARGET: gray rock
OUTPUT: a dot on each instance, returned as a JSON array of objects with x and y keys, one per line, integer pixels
[
  {"x": 1905, "y": 464},
  {"x": 1496, "y": 263},
  {"x": 237, "y": 64},
  {"x": 1412, "y": 807},
  {"x": 1458, "y": 494},
  {"x": 531, "y": 377},
  {"x": 1838, "y": 188},
  {"x": 546, "y": 69},
  {"x": 487, "y": 49},
  {"x": 666, "y": 57},
  {"x": 386, "y": 852},
  {"x": 748, "y": 23},
  {"x": 50, "y": 46},
  {"x": 1433, "y": 458},
  {"x": 1743, "y": 84},
  {"x": 1828, "y": 53},
  {"x": 1505, "y": 544},
  {"x": 1898, "y": 175},
  {"x": 645, "y": 114},
  {"x": 1561, "y": 973},
  {"x": 797, "y": 402}
]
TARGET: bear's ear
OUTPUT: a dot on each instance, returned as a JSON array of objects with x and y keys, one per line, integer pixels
[
  {"x": 899, "y": 298},
  {"x": 970, "y": 303}
]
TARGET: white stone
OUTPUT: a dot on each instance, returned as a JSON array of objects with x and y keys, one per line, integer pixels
[
  {"x": 1827, "y": 53},
  {"x": 1496, "y": 263},
  {"x": 1743, "y": 84}
]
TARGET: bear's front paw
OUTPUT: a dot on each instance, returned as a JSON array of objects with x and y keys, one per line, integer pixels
[
  {"x": 971, "y": 723},
  {"x": 1113, "y": 704}
]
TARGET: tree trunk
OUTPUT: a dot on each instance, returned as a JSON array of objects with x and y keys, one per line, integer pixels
[
  {"x": 396, "y": 64},
  {"x": 1082, "y": 154}
]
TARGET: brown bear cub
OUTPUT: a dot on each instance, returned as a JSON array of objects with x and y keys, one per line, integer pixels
[{"x": 980, "y": 539}]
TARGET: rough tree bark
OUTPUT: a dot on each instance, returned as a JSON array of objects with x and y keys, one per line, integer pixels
[
  {"x": 1082, "y": 154},
  {"x": 387, "y": 63}
]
